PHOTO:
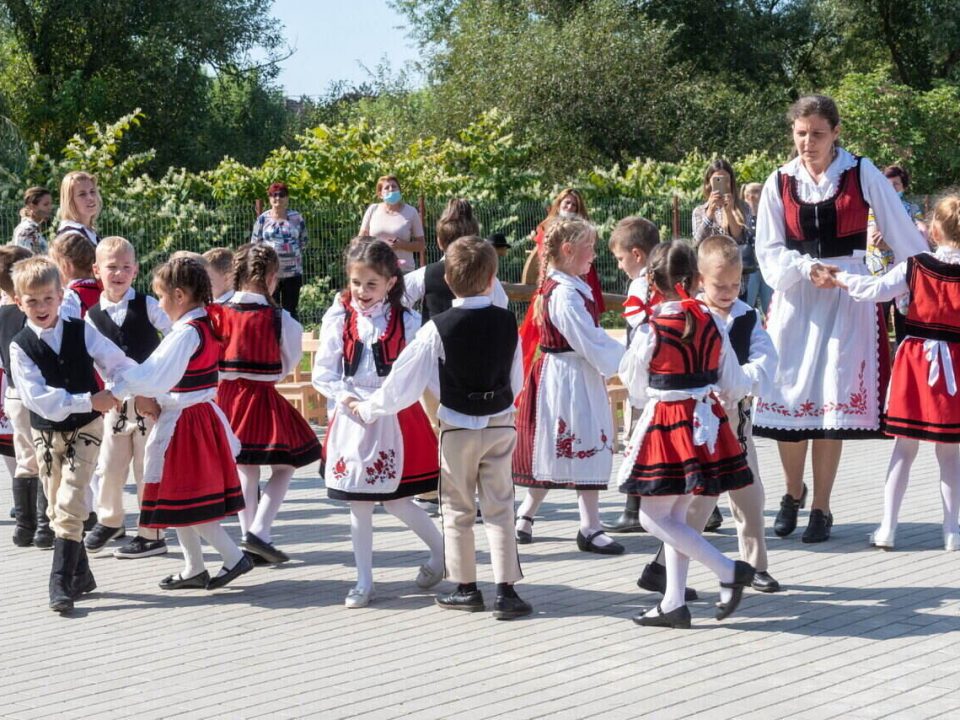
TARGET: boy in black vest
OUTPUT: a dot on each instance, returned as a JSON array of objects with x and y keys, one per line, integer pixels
[
  {"x": 135, "y": 323},
  {"x": 469, "y": 354},
  {"x": 52, "y": 363},
  {"x": 30, "y": 504},
  {"x": 718, "y": 259}
]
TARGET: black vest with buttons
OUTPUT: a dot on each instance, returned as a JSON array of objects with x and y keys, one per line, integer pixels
[
  {"x": 137, "y": 336},
  {"x": 741, "y": 329},
  {"x": 71, "y": 370},
  {"x": 12, "y": 321},
  {"x": 437, "y": 295},
  {"x": 479, "y": 347}
]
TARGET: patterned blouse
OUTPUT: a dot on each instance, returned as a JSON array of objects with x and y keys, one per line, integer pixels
[
  {"x": 288, "y": 237},
  {"x": 28, "y": 235}
]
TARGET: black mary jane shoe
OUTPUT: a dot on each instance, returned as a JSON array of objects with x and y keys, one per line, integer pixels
[
  {"x": 818, "y": 527},
  {"x": 525, "y": 537},
  {"x": 225, "y": 577},
  {"x": 786, "y": 520},
  {"x": 743, "y": 574},
  {"x": 586, "y": 544},
  {"x": 654, "y": 579},
  {"x": 678, "y": 618},
  {"x": 255, "y": 546},
  {"x": 176, "y": 582}
]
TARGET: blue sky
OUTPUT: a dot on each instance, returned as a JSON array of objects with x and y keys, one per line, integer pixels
[{"x": 333, "y": 38}]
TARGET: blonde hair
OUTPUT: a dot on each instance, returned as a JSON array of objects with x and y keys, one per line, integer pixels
[
  {"x": 114, "y": 244},
  {"x": 68, "y": 208},
  {"x": 721, "y": 247},
  {"x": 220, "y": 259},
  {"x": 470, "y": 263},
  {"x": 557, "y": 233},
  {"x": 384, "y": 179},
  {"x": 34, "y": 272},
  {"x": 76, "y": 248},
  {"x": 946, "y": 215}
]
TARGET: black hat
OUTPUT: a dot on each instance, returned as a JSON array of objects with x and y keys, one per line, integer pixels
[{"x": 498, "y": 240}]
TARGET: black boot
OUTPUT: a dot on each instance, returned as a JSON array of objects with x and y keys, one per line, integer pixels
[
  {"x": 44, "y": 536},
  {"x": 629, "y": 520},
  {"x": 66, "y": 554},
  {"x": 25, "y": 502},
  {"x": 83, "y": 580}
]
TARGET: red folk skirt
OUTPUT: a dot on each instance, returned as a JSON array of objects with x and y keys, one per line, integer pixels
[
  {"x": 915, "y": 409},
  {"x": 199, "y": 482},
  {"x": 270, "y": 430}
]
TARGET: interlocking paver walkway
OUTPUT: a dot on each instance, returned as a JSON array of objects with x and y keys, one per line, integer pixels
[{"x": 858, "y": 633}]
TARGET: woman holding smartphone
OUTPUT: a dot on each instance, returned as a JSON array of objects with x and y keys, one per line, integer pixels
[{"x": 723, "y": 213}]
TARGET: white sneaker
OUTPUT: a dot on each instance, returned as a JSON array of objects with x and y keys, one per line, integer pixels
[
  {"x": 882, "y": 541},
  {"x": 951, "y": 541},
  {"x": 428, "y": 577},
  {"x": 359, "y": 597}
]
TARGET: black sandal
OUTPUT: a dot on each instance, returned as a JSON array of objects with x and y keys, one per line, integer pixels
[{"x": 524, "y": 537}]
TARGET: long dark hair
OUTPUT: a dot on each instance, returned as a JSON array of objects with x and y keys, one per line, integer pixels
[
  {"x": 252, "y": 265},
  {"x": 676, "y": 265},
  {"x": 379, "y": 257}
]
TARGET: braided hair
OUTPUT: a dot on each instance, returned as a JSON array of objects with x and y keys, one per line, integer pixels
[
  {"x": 379, "y": 257},
  {"x": 253, "y": 264},
  {"x": 556, "y": 233},
  {"x": 677, "y": 264},
  {"x": 186, "y": 274}
]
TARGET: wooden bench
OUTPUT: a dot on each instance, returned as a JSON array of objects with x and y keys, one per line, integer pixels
[{"x": 299, "y": 391}]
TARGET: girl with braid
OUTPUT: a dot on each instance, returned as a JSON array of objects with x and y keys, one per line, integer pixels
[
  {"x": 565, "y": 435},
  {"x": 190, "y": 477},
  {"x": 261, "y": 344}
]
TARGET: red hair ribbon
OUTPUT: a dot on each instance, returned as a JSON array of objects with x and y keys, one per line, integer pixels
[
  {"x": 688, "y": 303},
  {"x": 636, "y": 306}
]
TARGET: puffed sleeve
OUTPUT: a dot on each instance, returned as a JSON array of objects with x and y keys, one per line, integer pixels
[
  {"x": 570, "y": 316},
  {"x": 876, "y": 288},
  {"x": 164, "y": 368},
  {"x": 327, "y": 375},
  {"x": 408, "y": 378},
  {"x": 634, "y": 369},
  {"x": 761, "y": 365},
  {"x": 734, "y": 383}
]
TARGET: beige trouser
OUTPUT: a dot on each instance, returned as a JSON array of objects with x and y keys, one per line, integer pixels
[
  {"x": 66, "y": 479},
  {"x": 745, "y": 503},
  {"x": 118, "y": 451},
  {"x": 430, "y": 405},
  {"x": 472, "y": 463},
  {"x": 22, "y": 438}
]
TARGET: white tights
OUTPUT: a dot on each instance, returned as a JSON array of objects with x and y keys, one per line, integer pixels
[
  {"x": 361, "y": 532},
  {"x": 214, "y": 534},
  {"x": 259, "y": 512},
  {"x": 898, "y": 475},
  {"x": 665, "y": 517},
  {"x": 588, "y": 502}
]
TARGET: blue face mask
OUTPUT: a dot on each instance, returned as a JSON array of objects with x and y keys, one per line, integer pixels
[{"x": 392, "y": 198}]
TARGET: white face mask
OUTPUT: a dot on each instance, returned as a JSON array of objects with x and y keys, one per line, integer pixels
[{"x": 567, "y": 215}]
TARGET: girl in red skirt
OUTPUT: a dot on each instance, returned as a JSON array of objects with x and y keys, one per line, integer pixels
[
  {"x": 395, "y": 457},
  {"x": 261, "y": 344},
  {"x": 190, "y": 477},
  {"x": 682, "y": 445},
  {"x": 922, "y": 403}
]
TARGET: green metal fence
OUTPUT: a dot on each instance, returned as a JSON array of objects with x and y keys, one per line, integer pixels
[{"x": 158, "y": 231}]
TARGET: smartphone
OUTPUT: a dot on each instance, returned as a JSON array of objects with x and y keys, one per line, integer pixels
[{"x": 720, "y": 184}]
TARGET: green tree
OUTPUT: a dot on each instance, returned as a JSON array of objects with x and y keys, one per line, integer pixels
[{"x": 67, "y": 64}]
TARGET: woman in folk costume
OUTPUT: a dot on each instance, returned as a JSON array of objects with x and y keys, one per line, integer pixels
[
  {"x": 393, "y": 458},
  {"x": 565, "y": 435},
  {"x": 834, "y": 353}
]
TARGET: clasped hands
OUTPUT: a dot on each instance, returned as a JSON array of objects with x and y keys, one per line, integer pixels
[
  {"x": 104, "y": 401},
  {"x": 824, "y": 277}
]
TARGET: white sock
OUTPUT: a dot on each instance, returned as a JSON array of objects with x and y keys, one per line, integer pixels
[
  {"x": 250, "y": 484},
  {"x": 898, "y": 475},
  {"x": 189, "y": 540},
  {"x": 418, "y": 521},
  {"x": 589, "y": 502},
  {"x": 948, "y": 455},
  {"x": 273, "y": 494},
  {"x": 531, "y": 503},
  {"x": 667, "y": 516},
  {"x": 214, "y": 534},
  {"x": 361, "y": 533}
]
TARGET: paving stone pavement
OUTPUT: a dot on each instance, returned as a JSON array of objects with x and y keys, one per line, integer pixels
[{"x": 858, "y": 633}]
